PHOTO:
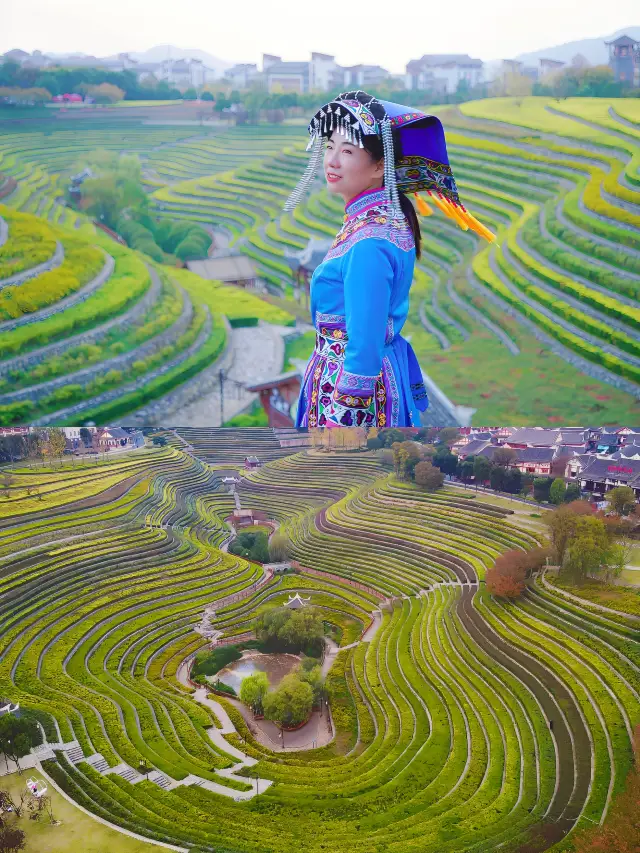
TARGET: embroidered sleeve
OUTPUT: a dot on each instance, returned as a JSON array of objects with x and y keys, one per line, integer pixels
[{"x": 368, "y": 271}]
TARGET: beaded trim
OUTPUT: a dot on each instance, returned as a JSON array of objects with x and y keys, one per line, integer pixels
[
  {"x": 397, "y": 121},
  {"x": 393, "y": 388}
]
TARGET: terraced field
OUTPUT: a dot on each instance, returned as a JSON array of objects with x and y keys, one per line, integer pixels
[
  {"x": 92, "y": 330},
  {"x": 551, "y": 310},
  {"x": 88, "y": 328},
  {"x": 442, "y": 736}
]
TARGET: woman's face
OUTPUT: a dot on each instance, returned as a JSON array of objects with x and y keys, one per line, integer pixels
[{"x": 349, "y": 169}]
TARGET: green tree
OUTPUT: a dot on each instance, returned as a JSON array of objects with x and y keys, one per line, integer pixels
[
  {"x": 622, "y": 499},
  {"x": 390, "y": 436},
  {"x": 253, "y": 690},
  {"x": 498, "y": 477},
  {"x": 278, "y": 548},
  {"x": 57, "y": 442},
  {"x": 572, "y": 492},
  {"x": 588, "y": 548},
  {"x": 311, "y": 672},
  {"x": 618, "y": 558},
  {"x": 465, "y": 469},
  {"x": 557, "y": 491},
  {"x": 290, "y": 703},
  {"x": 251, "y": 545},
  {"x": 282, "y": 629},
  {"x": 561, "y": 524},
  {"x": 541, "y": 488},
  {"x": 406, "y": 455},
  {"x": 85, "y": 436},
  {"x": 17, "y": 736},
  {"x": 481, "y": 469},
  {"x": 446, "y": 461}
]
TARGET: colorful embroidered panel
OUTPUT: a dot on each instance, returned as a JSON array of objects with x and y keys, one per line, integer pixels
[
  {"x": 417, "y": 173},
  {"x": 355, "y": 383},
  {"x": 374, "y": 221},
  {"x": 325, "y": 321}
]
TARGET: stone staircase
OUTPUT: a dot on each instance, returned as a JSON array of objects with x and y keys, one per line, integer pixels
[
  {"x": 125, "y": 772},
  {"x": 75, "y": 754},
  {"x": 98, "y": 762}
]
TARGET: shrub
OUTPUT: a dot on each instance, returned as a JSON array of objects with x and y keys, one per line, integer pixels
[{"x": 210, "y": 662}]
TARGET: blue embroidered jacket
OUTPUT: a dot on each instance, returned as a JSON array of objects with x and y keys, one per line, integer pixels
[{"x": 364, "y": 281}]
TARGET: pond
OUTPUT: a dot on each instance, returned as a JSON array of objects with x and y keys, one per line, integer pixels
[{"x": 275, "y": 666}]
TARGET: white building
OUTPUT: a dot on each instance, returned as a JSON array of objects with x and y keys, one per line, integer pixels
[
  {"x": 322, "y": 72},
  {"x": 183, "y": 73},
  {"x": 71, "y": 433},
  {"x": 443, "y": 72},
  {"x": 362, "y": 76},
  {"x": 243, "y": 76}
]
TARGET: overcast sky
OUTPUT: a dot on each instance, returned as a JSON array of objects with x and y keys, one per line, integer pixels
[{"x": 353, "y": 31}]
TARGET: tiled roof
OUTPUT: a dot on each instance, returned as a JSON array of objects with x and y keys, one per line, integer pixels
[
  {"x": 473, "y": 447},
  {"x": 535, "y": 454},
  {"x": 534, "y": 436},
  {"x": 628, "y": 470}
]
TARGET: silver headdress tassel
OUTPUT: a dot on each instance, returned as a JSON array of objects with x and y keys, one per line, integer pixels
[
  {"x": 309, "y": 174},
  {"x": 390, "y": 186}
]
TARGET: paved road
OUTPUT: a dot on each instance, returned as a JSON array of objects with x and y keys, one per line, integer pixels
[{"x": 253, "y": 354}]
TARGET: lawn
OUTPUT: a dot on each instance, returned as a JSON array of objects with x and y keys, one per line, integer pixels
[
  {"x": 77, "y": 831},
  {"x": 623, "y": 598}
]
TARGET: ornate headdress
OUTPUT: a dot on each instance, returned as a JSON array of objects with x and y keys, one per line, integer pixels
[{"x": 414, "y": 149}]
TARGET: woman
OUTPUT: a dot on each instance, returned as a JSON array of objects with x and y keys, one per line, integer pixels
[{"x": 362, "y": 371}]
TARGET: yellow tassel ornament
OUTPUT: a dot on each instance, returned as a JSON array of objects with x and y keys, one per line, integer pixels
[
  {"x": 463, "y": 218},
  {"x": 423, "y": 207}
]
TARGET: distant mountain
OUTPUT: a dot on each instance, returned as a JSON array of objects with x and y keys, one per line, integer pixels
[
  {"x": 595, "y": 50},
  {"x": 170, "y": 51}
]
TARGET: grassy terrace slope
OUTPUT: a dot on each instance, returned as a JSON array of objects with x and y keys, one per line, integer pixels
[
  {"x": 442, "y": 740},
  {"x": 552, "y": 308},
  {"x": 551, "y": 311},
  {"x": 90, "y": 329}
]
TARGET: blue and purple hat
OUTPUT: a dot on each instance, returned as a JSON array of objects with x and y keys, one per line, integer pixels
[{"x": 415, "y": 153}]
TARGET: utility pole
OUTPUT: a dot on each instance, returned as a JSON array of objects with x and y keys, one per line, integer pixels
[{"x": 221, "y": 374}]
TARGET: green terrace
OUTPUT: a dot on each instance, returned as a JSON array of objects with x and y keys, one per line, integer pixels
[{"x": 441, "y": 717}]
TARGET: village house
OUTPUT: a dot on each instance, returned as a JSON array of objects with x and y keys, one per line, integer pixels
[
  {"x": 443, "y": 73},
  {"x": 278, "y": 396},
  {"x": 112, "y": 437},
  {"x": 598, "y": 476},
  {"x": 303, "y": 263},
  {"x": 534, "y": 460},
  {"x": 624, "y": 59}
]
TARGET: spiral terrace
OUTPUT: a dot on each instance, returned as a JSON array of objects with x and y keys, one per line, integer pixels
[{"x": 442, "y": 739}]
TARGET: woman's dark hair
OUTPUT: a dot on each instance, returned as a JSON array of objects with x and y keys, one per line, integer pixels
[{"x": 373, "y": 145}]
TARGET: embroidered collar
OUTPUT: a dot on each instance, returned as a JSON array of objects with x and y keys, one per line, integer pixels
[{"x": 363, "y": 201}]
